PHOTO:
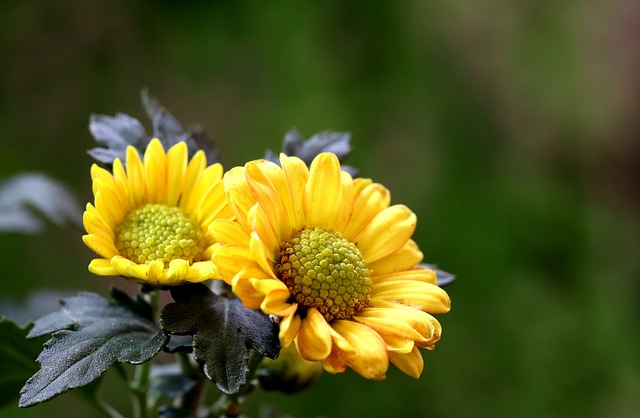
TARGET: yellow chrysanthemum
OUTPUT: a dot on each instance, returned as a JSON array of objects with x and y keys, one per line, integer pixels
[
  {"x": 329, "y": 256},
  {"x": 150, "y": 222}
]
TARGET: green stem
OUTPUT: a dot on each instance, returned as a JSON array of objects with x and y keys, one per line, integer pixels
[
  {"x": 100, "y": 406},
  {"x": 192, "y": 400}
]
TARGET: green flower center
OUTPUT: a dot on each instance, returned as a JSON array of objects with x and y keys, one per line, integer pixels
[
  {"x": 159, "y": 232},
  {"x": 323, "y": 270}
]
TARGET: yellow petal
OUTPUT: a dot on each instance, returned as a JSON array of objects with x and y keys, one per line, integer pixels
[
  {"x": 200, "y": 271},
  {"x": 425, "y": 296},
  {"x": 136, "y": 177},
  {"x": 259, "y": 254},
  {"x": 289, "y": 327},
  {"x": 128, "y": 268},
  {"x": 155, "y": 272},
  {"x": 410, "y": 363},
  {"x": 369, "y": 358},
  {"x": 94, "y": 224},
  {"x": 268, "y": 185},
  {"x": 367, "y": 203},
  {"x": 226, "y": 231},
  {"x": 346, "y": 202},
  {"x": 207, "y": 181},
  {"x": 386, "y": 233},
  {"x": 260, "y": 224},
  {"x": 101, "y": 245},
  {"x": 230, "y": 259},
  {"x": 323, "y": 192},
  {"x": 314, "y": 338},
  {"x": 242, "y": 286},
  {"x": 177, "y": 161},
  {"x": 405, "y": 258},
  {"x": 296, "y": 174},
  {"x": 155, "y": 170},
  {"x": 420, "y": 274},
  {"x": 102, "y": 267},
  {"x": 196, "y": 166}
]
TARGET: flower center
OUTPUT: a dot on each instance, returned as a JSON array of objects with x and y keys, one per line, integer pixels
[
  {"x": 323, "y": 270},
  {"x": 159, "y": 232}
]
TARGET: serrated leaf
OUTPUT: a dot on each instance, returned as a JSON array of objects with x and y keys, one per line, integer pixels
[
  {"x": 116, "y": 133},
  {"x": 17, "y": 358},
  {"x": 170, "y": 131},
  {"x": 90, "y": 334},
  {"x": 223, "y": 330},
  {"x": 294, "y": 144},
  {"x": 27, "y": 197}
]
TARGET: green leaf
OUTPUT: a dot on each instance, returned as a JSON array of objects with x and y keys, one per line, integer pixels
[
  {"x": 17, "y": 358},
  {"x": 90, "y": 334},
  {"x": 223, "y": 330}
]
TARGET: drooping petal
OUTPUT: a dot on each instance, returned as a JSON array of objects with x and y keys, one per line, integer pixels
[
  {"x": 100, "y": 245},
  {"x": 102, "y": 267},
  {"x": 290, "y": 326},
  {"x": 314, "y": 338},
  {"x": 369, "y": 358},
  {"x": 410, "y": 363}
]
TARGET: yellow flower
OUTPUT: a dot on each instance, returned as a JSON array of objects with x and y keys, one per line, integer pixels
[
  {"x": 334, "y": 260},
  {"x": 149, "y": 222}
]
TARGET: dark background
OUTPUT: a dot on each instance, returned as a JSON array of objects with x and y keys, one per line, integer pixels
[{"x": 510, "y": 128}]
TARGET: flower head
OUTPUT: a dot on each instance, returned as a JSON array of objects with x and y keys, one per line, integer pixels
[
  {"x": 332, "y": 258},
  {"x": 149, "y": 221}
]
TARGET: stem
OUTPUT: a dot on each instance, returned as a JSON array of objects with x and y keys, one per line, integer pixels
[
  {"x": 101, "y": 406},
  {"x": 192, "y": 400},
  {"x": 141, "y": 378}
]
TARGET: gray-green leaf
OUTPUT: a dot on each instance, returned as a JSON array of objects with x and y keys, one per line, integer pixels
[{"x": 90, "y": 334}]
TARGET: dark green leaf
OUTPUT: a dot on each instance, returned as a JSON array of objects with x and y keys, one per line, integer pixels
[
  {"x": 223, "y": 330},
  {"x": 17, "y": 358},
  {"x": 294, "y": 144},
  {"x": 90, "y": 334}
]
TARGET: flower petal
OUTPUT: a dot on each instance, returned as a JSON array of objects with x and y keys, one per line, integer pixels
[
  {"x": 425, "y": 296},
  {"x": 420, "y": 274},
  {"x": 177, "y": 162},
  {"x": 101, "y": 245},
  {"x": 405, "y": 258},
  {"x": 323, "y": 192},
  {"x": 102, "y": 267},
  {"x": 367, "y": 203},
  {"x": 296, "y": 174},
  {"x": 268, "y": 184},
  {"x": 410, "y": 363},
  {"x": 314, "y": 338},
  {"x": 226, "y": 231},
  {"x": 369, "y": 358},
  {"x": 289, "y": 327},
  {"x": 386, "y": 233},
  {"x": 155, "y": 171}
]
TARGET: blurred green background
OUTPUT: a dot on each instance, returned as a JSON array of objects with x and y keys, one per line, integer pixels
[{"x": 510, "y": 128}]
